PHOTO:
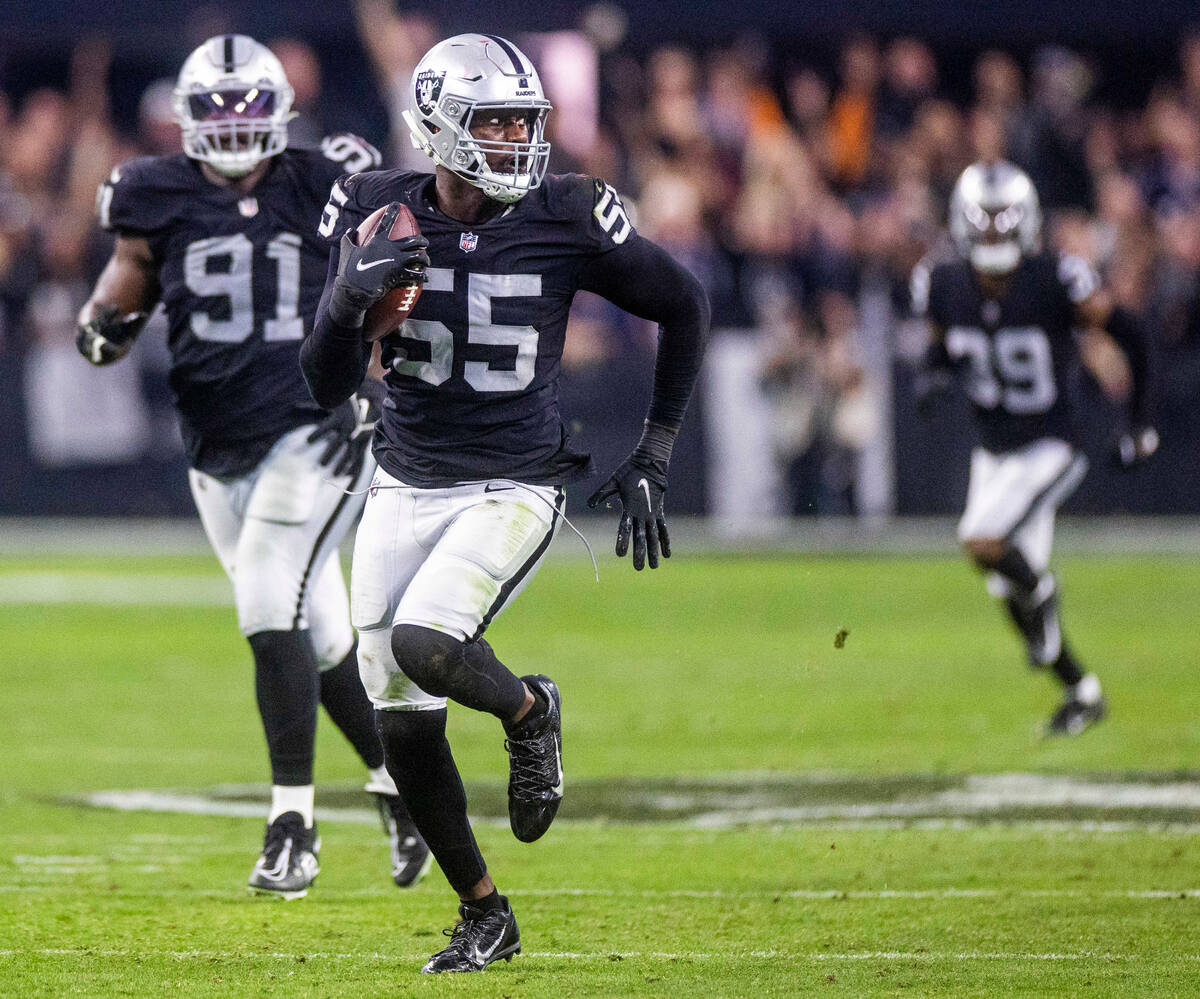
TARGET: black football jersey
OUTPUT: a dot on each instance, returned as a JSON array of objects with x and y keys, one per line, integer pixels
[
  {"x": 241, "y": 276},
  {"x": 472, "y": 375},
  {"x": 1013, "y": 355}
]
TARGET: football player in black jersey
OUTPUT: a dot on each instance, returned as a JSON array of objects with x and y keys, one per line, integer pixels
[
  {"x": 471, "y": 449},
  {"x": 222, "y": 235},
  {"x": 1003, "y": 320}
]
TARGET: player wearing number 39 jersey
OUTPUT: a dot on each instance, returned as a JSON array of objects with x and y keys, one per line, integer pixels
[
  {"x": 1003, "y": 321},
  {"x": 471, "y": 449},
  {"x": 224, "y": 236}
]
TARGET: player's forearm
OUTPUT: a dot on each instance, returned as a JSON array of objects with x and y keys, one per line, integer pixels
[
  {"x": 642, "y": 278},
  {"x": 1132, "y": 337},
  {"x": 128, "y": 284},
  {"x": 681, "y": 342},
  {"x": 333, "y": 359}
]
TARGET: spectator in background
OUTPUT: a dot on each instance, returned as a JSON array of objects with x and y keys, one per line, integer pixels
[
  {"x": 1048, "y": 141},
  {"x": 821, "y": 411},
  {"x": 808, "y": 100},
  {"x": 303, "y": 71},
  {"x": 852, "y": 116},
  {"x": 999, "y": 96},
  {"x": 395, "y": 43},
  {"x": 1189, "y": 71},
  {"x": 158, "y": 130},
  {"x": 909, "y": 79},
  {"x": 1171, "y": 180}
]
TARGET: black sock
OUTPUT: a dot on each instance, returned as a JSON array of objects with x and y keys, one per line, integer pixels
[
  {"x": 287, "y": 688},
  {"x": 347, "y": 704},
  {"x": 466, "y": 672},
  {"x": 492, "y": 901},
  {"x": 419, "y": 759},
  {"x": 1014, "y": 567},
  {"x": 1066, "y": 668}
]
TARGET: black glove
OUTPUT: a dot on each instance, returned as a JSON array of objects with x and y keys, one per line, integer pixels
[
  {"x": 1134, "y": 446},
  {"x": 367, "y": 273},
  {"x": 347, "y": 431},
  {"x": 108, "y": 335},
  {"x": 641, "y": 483}
]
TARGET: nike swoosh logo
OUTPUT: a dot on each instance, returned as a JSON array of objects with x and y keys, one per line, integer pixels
[
  {"x": 359, "y": 266},
  {"x": 277, "y": 872},
  {"x": 493, "y": 488},
  {"x": 644, "y": 487},
  {"x": 558, "y": 788}
]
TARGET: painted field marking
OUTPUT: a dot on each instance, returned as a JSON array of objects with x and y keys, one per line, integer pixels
[
  {"x": 801, "y": 894},
  {"x": 608, "y": 955},
  {"x": 100, "y": 588},
  {"x": 978, "y": 797}
]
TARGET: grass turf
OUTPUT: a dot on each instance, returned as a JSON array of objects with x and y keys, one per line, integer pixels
[{"x": 711, "y": 666}]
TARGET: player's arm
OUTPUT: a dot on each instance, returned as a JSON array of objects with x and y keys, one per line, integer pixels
[
  {"x": 120, "y": 304},
  {"x": 1097, "y": 311},
  {"x": 347, "y": 429},
  {"x": 643, "y": 279},
  {"x": 935, "y": 373}
]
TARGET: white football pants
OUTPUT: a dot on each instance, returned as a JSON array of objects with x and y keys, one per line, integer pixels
[
  {"x": 448, "y": 559},
  {"x": 1016, "y": 495},
  {"x": 274, "y": 531}
]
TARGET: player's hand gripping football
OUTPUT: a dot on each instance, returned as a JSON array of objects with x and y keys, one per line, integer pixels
[
  {"x": 640, "y": 483},
  {"x": 347, "y": 433},
  {"x": 368, "y": 272}
]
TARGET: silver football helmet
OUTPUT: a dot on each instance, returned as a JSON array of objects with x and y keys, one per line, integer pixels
[
  {"x": 995, "y": 217},
  {"x": 461, "y": 77},
  {"x": 233, "y": 103}
]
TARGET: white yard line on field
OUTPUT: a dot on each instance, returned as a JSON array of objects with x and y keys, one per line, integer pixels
[
  {"x": 119, "y": 589},
  {"x": 801, "y": 894},
  {"x": 977, "y": 797},
  {"x": 609, "y": 955}
]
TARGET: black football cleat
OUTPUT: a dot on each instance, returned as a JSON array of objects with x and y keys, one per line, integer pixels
[
  {"x": 535, "y": 774},
  {"x": 410, "y": 855},
  {"x": 288, "y": 864},
  {"x": 1078, "y": 713},
  {"x": 481, "y": 937}
]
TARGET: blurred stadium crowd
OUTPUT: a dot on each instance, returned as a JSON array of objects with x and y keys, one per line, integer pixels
[{"x": 801, "y": 195}]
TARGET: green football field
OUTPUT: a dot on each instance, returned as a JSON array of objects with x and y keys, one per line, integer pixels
[{"x": 751, "y": 810}]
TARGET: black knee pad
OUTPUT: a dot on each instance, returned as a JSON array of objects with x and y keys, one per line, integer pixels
[
  {"x": 429, "y": 658},
  {"x": 466, "y": 672}
]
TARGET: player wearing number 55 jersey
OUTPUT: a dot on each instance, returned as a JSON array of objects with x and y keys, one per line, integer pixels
[
  {"x": 471, "y": 450},
  {"x": 1003, "y": 321},
  {"x": 223, "y": 235}
]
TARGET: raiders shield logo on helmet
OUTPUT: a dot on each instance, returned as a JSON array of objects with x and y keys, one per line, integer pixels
[{"x": 429, "y": 88}]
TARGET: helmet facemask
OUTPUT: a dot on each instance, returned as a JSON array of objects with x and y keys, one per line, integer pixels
[
  {"x": 234, "y": 130},
  {"x": 995, "y": 248},
  {"x": 523, "y": 164},
  {"x": 995, "y": 218}
]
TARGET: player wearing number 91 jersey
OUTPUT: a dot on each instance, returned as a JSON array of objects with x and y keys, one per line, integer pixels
[
  {"x": 1003, "y": 319},
  {"x": 224, "y": 236},
  {"x": 471, "y": 450}
]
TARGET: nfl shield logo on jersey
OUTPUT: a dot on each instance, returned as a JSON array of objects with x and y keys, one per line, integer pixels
[{"x": 467, "y": 242}]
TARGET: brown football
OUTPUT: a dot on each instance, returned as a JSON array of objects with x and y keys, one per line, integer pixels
[{"x": 391, "y": 310}]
